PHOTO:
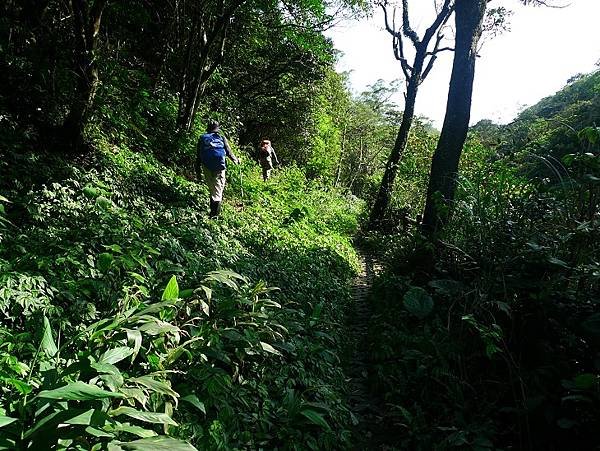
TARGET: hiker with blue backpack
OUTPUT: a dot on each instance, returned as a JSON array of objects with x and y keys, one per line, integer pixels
[{"x": 211, "y": 152}]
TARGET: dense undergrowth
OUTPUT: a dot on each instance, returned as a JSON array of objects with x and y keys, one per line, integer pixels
[
  {"x": 130, "y": 321},
  {"x": 489, "y": 340},
  {"x": 126, "y": 313}
]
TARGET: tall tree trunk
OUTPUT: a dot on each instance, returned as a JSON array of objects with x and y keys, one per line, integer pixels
[
  {"x": 415, "y": 75},
  {"x": 205, "y": 49},
  {"x": 86, "y": 22},
  {"x": 444, "y": 166},
  {"x": 391, "y": 169}
]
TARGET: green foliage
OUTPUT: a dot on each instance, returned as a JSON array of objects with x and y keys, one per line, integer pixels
[
  {"x": 129, "y": 321},
  {"x": 361, "y": 131},
  {"x": 91, "y": 386},
  {"x": 515, "y": 280},
  {"x": 418, "y": 302},
  {"x": 369, "y": 125},
  {"x": 553, "y": 126},
  {"x": 143, "y": 333}
]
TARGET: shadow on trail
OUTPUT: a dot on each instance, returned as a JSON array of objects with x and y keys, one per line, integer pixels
[{"x": 366, "y": 406}]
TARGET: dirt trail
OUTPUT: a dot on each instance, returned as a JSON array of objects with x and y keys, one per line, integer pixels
[{"x": 365, "y": 407}]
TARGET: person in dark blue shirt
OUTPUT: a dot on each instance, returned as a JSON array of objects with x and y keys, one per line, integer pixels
[{"x": 213, "y": 149}]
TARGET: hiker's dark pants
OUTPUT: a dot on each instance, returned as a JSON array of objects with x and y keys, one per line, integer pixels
[{"x": 266, "y": 173}]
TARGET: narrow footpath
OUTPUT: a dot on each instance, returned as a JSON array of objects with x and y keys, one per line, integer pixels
[{"x": 365, "y": 407}]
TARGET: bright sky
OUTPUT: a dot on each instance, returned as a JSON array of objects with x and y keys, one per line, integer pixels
[{"x": 543, "y": 49}]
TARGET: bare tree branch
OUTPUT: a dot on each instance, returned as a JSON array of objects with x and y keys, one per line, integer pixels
[
  {"x": 399, "y": 54},
  {"x": 397, "y": 43},
  {"x": 389, "y": 29},
  {"x": 440, "y": 20},
  {"x": 443, "y": 49},
  {"x": 542, "y": 3},
  {"x": 433, "y": 57},
  {"x": 406, "y": 28}
]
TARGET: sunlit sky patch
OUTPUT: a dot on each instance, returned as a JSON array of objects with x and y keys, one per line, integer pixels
[{"x": 542, "y": 50}]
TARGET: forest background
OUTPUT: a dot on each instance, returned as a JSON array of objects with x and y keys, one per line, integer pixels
[{"x": 130, "y": 321}]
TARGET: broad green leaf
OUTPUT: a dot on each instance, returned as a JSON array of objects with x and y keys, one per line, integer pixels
[
  {"x": 48, "y": 346},
  {"x": 102, "y": 326},
  {"x": 315, "y": 418},
  {"x": 135, "y": 336},
  {"x": 577, "y": 398},
  {"x": 174, "y": 354},
  {"x": 226, "y": 278},
  {"x": 115, "y": 355},
  {"x": 6, "y": 420},
  {"x": 591, "y": 134},
  {"x": 132, "y": 429},
  {"x": 137, "y": 277},
  {"x": 91, "y": 417},
  {"x": 115, "y": 248},
  {"x": 172, "y": 290},
  {"x": 205, "y": 307},
  {"x": 95, "y": 432},
  {"x": 20, "y": 368},
  {"x": 148, "y": 417},
  {"x": 103, "y": 203},
  {"x": 187, "y": 293},
  {"x": 267, "y": 347},
  {"x": 207, "y": 292},
  {"x": 169, "y": 412},
  {"x": 193, "y": 400},
  {"x": 566, "y": 423},
  {"x": 112, "y": 381},
  {"x": 591, "y": 178},
  {"x": 156, "y": 327},
  {"x": 107, "y": 368},
  {"x": 157, "y": 444},
  {"x": 418, "y": 302},
  {"x": 49, "y": 421},
  {"x": 21, "y": 386},
  {"x": 157, "y": 386},
  {"x": 135, "y": 393},
  {"x": 536, "y": 247},
  {"x": 157, "y": 307},
  {"x": 84, "y": 418},
  {"x": 271, "y": 303},
  {"x": 78, "y": 391},
  {"x": 558, "y": 262}
]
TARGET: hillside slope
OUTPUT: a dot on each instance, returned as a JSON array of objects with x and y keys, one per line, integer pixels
[{"x": 224, "y": 359}]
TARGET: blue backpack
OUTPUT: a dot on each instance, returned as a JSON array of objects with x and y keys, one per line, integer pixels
[{"x": 212, "y": 151}]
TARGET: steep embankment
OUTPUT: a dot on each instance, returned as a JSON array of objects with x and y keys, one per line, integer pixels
[{"x": 219, "y": 359}]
